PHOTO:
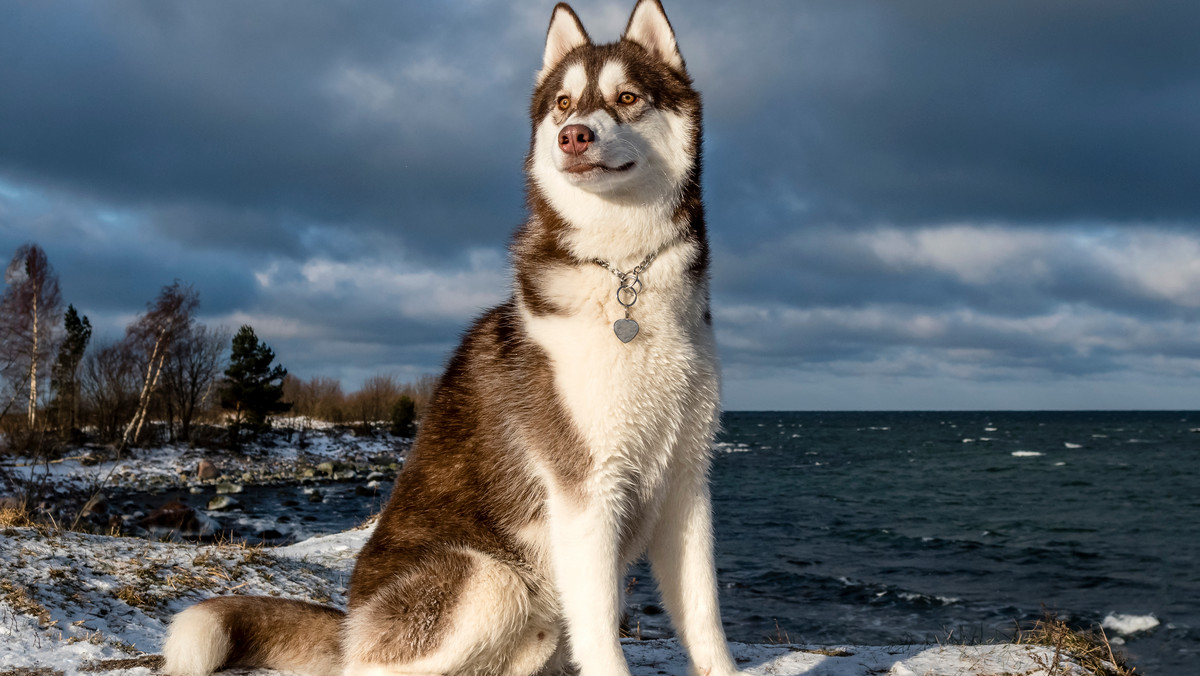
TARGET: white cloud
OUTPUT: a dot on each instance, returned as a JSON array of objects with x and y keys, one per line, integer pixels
[
  {"x": 1160, "y": 264},
  {"x": 974, "y": 254},
  {"x": 400, "y": 286}
]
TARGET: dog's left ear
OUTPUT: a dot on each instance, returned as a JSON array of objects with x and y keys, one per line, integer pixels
[{"x": 649, "y": 27}]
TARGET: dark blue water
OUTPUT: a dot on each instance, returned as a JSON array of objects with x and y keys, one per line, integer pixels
[
  {"x": 881, "y": 528},
  {"x": 887, "y": 528}
]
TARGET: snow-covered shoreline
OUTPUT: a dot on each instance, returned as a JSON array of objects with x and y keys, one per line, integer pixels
[{"x": 74, "y": 603}]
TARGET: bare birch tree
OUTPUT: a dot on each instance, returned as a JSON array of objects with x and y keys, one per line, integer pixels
[
  {"x": 29, "y": 314},
  {"x": 152, "y": 336}
]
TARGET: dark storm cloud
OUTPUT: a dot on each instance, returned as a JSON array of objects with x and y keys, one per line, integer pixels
[
  {"x": 917, "y": 112},
  {"x": 941, "y": 190},
  {"x": 354, "y": 115}
]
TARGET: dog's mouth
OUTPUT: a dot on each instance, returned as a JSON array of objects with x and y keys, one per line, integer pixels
[{"x": 584, "y": 167}]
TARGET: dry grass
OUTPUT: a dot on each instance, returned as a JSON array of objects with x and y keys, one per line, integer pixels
[
  {"x": 1090, "y": 649},
  {"x": 31, "y": 671},
  {"x": 23, "y": 602},
  {"x": 15, "y": 516},
  {"x": 152, "y": 662}
]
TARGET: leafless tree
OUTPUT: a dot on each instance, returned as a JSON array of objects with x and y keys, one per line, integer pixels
[
  {"x": 318, "y": 398},
  {"x": 109, "y": 382},
  {"x": 373, "y": 402},
  {"x": 151, "y": 337},
  {"x": 194, "y": 362},
  {"x": 29, "y": 314}
]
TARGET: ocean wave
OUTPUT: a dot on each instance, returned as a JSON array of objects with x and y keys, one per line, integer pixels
[
  {"x": 1027, "y": 454},
  {"x": 1129, "y": 624},
  {"x": 727, "y": 447}
]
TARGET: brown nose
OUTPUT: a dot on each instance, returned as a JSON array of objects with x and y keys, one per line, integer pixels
[{"x": 575, "y": 138}]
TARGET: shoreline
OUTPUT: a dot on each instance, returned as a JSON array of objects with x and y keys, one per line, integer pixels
[{"x": 73, "y": 603}]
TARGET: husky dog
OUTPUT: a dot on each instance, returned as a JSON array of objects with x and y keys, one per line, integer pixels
[{"x": 571, "y": 432}]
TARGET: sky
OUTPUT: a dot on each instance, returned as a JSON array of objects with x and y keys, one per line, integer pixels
[{"x": 917, "y": 205}]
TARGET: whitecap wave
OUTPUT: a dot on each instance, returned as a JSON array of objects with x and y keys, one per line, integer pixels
[
  {"x": 1027, "y": 454},
  {"x": 1071, "y": 445},
  {"x": 726, "y": 447},
  {"x": 1129, "y": 624}
]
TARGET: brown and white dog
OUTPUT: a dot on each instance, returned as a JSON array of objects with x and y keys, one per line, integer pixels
[{"x": 554, "y": 453}]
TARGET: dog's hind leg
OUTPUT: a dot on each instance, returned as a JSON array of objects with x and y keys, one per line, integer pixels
[{"x": 457, "y": 611}]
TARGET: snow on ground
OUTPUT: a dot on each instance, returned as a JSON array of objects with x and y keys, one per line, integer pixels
[
  {"x": 298, "y": 443},
  {"x": 73, "y": 603}
]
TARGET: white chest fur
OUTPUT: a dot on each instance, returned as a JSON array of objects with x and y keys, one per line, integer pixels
[{"x": 644, "y": 407}]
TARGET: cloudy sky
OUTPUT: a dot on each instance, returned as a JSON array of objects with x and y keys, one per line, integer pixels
[{"x": 917, "y": 205}]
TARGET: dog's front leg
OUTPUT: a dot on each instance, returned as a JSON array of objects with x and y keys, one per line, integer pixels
[
  {"x": 584, "y": 549},
  {"x": 681, "y": 554}
]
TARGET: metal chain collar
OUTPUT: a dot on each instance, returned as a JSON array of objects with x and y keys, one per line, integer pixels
[
  {"x": 631, "y": 284},
  {"x": 627, "y": 293}
]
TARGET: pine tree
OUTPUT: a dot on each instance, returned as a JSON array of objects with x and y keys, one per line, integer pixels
[
  {"x": 253, "y": 389},
  {"x": 64, "y": 379}
]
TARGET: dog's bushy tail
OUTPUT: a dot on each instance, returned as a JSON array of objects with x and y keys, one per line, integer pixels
[{"x": 254, "y": 631}]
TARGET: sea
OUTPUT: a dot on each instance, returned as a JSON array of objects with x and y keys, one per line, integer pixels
[{"x": 878, "y": 528}]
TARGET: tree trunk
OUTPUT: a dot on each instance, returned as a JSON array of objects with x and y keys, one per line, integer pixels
[
  {"x": 143, "y": 399},
  {"x": 150, "y": 392},
  {"x": 33, "y": 360}
]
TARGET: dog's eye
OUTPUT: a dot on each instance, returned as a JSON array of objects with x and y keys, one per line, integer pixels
[
  {"x": 564, "y": 102},
  {"x": 628, "y": 98}
]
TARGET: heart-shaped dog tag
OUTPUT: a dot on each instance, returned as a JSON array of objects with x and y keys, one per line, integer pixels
[{"x": 626, "y": 329}]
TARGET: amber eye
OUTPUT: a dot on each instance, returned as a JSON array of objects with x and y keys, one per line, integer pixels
[
  {"x": 628, "y": 98},
  {"x": 564, "y": 102}
]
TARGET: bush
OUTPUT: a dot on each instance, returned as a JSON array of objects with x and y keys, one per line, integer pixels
[{"x": 404, "y": 415}]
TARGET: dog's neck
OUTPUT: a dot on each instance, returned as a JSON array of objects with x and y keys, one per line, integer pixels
[{"x": 588, "y": 226}]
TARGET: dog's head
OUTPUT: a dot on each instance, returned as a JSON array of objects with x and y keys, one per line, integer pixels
[{"x": 619, "y": 121}]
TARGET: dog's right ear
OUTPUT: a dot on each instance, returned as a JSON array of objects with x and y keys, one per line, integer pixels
[{"x": 566, "y": 33}]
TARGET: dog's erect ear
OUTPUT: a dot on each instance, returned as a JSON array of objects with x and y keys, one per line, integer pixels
[
  {"x": 566, "y": 33},
  {"x": 648, "y": 26}
]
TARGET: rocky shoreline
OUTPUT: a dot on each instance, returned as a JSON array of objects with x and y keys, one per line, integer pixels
[{"x": 91, "y": 484}]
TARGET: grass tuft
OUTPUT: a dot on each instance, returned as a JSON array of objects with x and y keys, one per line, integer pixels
[
  {"x": 23, "y": 602},
  {"x": 1089, "y": 648}
]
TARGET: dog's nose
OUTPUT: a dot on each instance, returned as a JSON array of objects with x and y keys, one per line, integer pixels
[{"x": 575, "y": 138}]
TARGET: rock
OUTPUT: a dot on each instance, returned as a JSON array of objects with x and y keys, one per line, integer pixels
[
  {"x": 270, "y": 534},
  {"x": 195, "y": 489},
  {"x": 347, "y": 474},
  {"x": 364, "y": 491},
  {"x": 376, "y": 476},
  {"x": 219, "y": 502},
  {"x": 316, "y": 496},
  {"x": 174, "y": 515},
  {"x": 248, "y": 477},
  {"x": 225, "y": 488},
  {"x": 309, "y": 473},
  {"x": 290, "y": 503},
  {"x": 205, "y": 469},
  {"x": 326, "y": 468}
]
